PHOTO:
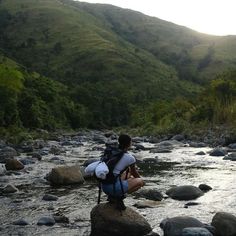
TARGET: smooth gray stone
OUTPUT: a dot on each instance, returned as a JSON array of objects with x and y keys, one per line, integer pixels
[
  {"x": 61, "y": 219},
  {"x": 20, "y": 222},
  {"x": 174, "y": 226},
  {"x": 150, "y": 194},
  {"x": 185, "y": 192},
  {"x": 50, "y": 197},
  {"x": 205, "y": 187},
  {"x": 224, "y": 223},
  {"x": 9, "y": 189},
  {"x": 217, "y": 152},
  {"x": 232, "y": 145},
  {"x": 201, "y": 153},
  {"x": 197, "y": 144},
  {"x": 46, "y": 220},
  {"x": 27, "y": 161}
]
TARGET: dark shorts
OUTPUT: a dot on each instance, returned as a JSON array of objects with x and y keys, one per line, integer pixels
[{"x": 109, "y": 188}]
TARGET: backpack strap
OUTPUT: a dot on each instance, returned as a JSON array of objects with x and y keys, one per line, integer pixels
[
  {"x": 127, "y": 173},
  {"x": 121, "y": 186},
  {"x": 99, "y": 192}
]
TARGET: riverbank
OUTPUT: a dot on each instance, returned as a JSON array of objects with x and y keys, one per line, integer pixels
[{"x": 212, "y": 136}]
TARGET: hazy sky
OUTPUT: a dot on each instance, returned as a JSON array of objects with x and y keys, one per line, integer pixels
[{"x": 216, "y": 17}]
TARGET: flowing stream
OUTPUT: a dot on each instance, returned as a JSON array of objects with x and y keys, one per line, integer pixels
[{"x": 180, "y": 167}]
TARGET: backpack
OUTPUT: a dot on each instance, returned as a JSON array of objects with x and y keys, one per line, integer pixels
[
  {"x": 102, "y": 170},
  {"x": 111, "y": 157}
]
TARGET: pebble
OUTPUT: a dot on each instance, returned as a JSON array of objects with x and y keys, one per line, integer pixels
[{"x": 191, "y": 204}]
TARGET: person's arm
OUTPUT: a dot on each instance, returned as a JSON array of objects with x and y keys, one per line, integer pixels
[{"x": 134, "y": 172}]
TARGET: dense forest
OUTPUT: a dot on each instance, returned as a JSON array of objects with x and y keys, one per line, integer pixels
[{"x": 67, "y": 65}]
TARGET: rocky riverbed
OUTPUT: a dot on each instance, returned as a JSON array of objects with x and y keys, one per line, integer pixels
[{"x": 27, "y": 199}]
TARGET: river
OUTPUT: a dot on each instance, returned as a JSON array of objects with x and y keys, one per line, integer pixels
[{"x": 179, "y": 167}]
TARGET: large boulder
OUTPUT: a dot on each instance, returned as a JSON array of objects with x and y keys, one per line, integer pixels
[
  {"x": 7, "y": 153},
  {"x": 185, "y": 192},
  {"x": 174, "y": 226},
  {"x": 13, "y": 164},
  {"x": 65, "y": 175},
  {"x": 225, "y": 224},
  {"x": 106, "y": 220}
]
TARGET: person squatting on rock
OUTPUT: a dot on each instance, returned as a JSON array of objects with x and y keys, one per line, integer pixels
[{"x": 127, "y": 178}]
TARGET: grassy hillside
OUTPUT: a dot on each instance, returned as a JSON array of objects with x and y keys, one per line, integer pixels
[
  {"x": 67, "y": 42},
  {"x": 196, "y": 56},
  {"x": 102, "y": 66}
]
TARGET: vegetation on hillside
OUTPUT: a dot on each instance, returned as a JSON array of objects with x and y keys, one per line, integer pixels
[
  {"x": 214, "y": 106},
  {"x": 31, "y": 101},
  {"x": 100, "y": 66}
]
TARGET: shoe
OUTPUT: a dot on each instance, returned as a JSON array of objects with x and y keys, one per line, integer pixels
[
  {"x": 111, "y": 199},
  {"x": 120, "y": 205},
  {"x": 117, "y": 201}
]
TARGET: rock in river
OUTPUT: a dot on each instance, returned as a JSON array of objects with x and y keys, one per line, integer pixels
[
  {"x": 151, "y": 194},
  {"x": 205, "y": 187},
  {"x": 21, "y": 222},
  {"x": 7, "y": 153},
  {"x": 9, "y": 189},
  {"x": 65, "y": 175},
  {"x": 13, "y": 164},
  {"x": 225, "y": 224},
  {"x": 174, "y": 226},
  {"x": 218, "y": 152},
  {"x": 50, "y": 197},
  {"x": 147, "y": 204},
  {"x": 46, "y": 220},
  {"x": 106, "y": 220},
  {"x": 185, "y": 192}
]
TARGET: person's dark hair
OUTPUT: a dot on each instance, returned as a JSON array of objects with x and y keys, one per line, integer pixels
[{"x": 124, "y": 141}]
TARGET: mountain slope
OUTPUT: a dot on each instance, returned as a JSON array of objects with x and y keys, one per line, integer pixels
[
  {"x": 66, "y": 42},
  {"x": 193, "y": 54},
  {"x": 109, "y": 61}
]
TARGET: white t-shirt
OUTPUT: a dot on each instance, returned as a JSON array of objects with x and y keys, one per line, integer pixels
[{"x": 125, "y": 161}]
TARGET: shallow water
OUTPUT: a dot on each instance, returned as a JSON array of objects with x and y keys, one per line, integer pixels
[{"x": 180, "y": 167}]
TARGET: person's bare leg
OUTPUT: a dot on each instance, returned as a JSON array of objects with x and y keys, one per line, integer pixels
[{"x": 134, "y": 184}]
